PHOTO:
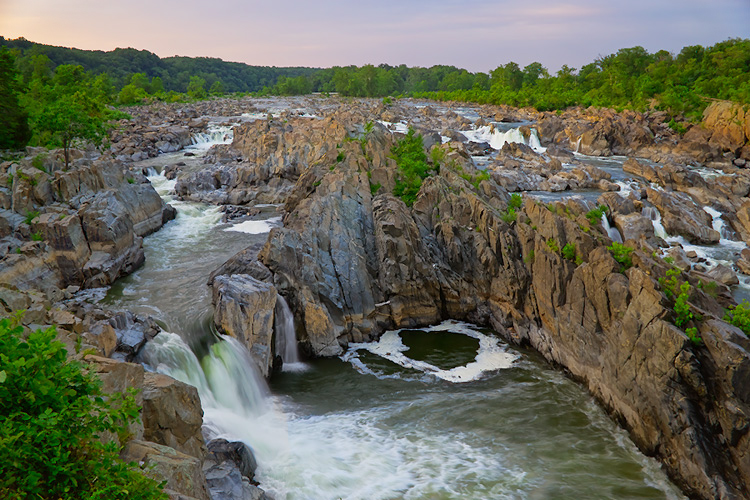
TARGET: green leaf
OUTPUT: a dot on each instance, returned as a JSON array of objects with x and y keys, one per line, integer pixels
[{"x": 3, "y": 376}]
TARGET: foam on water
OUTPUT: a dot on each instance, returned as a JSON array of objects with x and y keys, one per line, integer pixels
[
  {"x": 255, "y": 226},
  {"x": 490, "y": 357},
  {"x": 214, "y": 134},
  {"x": 400, "y": 127},
  {"x": 497, "y": 138}
]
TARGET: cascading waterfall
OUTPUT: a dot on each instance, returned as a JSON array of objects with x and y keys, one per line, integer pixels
[
  {"x": 497, "y": 138},
  {"x": 654, "y": 215},
  {"x": 578, "y": 143},
  {"x": 286, "y": 339},
  {"x": 612, "y": 232},
  {"x": 213, "y": 135}
]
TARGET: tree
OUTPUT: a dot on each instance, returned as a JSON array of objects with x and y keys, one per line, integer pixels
[
  {"x": 14, "y": 127},
  {"x": 217, "y": 88},
  {"x": 197, "y": 87},
  {"x": 67, "y": 109},
  {"x": 52, "y": 411}
]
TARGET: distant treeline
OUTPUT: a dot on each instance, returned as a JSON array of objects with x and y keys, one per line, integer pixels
[
  {"x": 34, "y": 78},
  {"x": 174, "y": 73},
  {"x": 632, "y": 78}
]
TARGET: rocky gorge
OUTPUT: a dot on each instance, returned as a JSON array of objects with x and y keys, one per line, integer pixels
[{"x": 354, "y": 261}]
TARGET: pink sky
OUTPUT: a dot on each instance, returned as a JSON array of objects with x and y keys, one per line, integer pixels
[{"x": 478, "y": 35}]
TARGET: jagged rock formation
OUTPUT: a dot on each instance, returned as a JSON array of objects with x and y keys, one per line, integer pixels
[{"x": 352, "y": 261}]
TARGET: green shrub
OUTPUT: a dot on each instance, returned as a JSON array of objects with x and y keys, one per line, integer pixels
[
  {"x": 374, "y": 188},
  {"x": 739, "y": 316},
  {"x": 569, "y": 251},
  {"x": 552, "y": 245},
  {"x": 508, "y": 216},
  {"x": 36, "y": 236},
  {"x": 52, "y": 411},
  {"x": 670, "y": 284},
  {"x": 38, "y": 162},
  {"x": 709, "y": 288},
  {"x": 515, "y": 201},
  {"x": 437, "y": 155},
  {"x": 678, "y": 127},
  {"x": 595, "y": 215},
  {"x": 692, "y": 334},
  {"x": 130, "y": 180},
  {"x": 681, "y": 306},
  {"x": 340, "y": 157},
  {"x": 412, "y": 167},
  {"x": 30, "y": 216},
  {"x": 529, "y": 258},
  {"x": 621, "y": 253}
]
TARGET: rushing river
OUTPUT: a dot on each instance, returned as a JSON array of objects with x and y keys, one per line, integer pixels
[{"x": 449, "y": 412}]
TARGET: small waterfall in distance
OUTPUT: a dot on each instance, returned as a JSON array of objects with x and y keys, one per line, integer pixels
[
  {"x": 286, "y": 338},
  {"x": 613, "y": 233}
]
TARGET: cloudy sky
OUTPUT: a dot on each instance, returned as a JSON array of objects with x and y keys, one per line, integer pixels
[{"x": 478, "y": 35}]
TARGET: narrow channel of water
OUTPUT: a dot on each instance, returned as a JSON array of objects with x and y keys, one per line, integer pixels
[{"x": 444, "y": 413}]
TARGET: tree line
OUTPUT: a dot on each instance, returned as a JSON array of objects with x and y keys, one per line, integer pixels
[{"x": 51, "y": 95}]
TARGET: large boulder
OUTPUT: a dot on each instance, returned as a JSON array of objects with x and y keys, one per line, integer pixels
[
  {"x": 172, "y": 414},
  {"x": 244, "y": 309}
]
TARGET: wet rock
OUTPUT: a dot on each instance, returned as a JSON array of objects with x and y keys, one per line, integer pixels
[
  {"x": 244, "y": 309},
  {"x": 724, "y": 275}
]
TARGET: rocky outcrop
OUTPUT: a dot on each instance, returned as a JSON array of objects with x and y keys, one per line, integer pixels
[
  {"x": 183, "y": 473},
  {"x": 85, "y": 224},
  {"x": 230, "y": 469},
  {"x": 728, "y": 126},
  {"x": 244, "y": 309},
  {"x": 172, "y": 414},
  {"x": 352, "y": 265}
]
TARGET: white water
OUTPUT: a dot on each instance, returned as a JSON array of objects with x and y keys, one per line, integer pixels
[
  {"x": 490, "y": 357},
  {"x": 497, "y": 139},
  {"x": 255, "y": 226},
  {"x": 214, "y": 134},
  {"x": 416, "y": 442},
  {"x": 612, "y": 232},
  {"x": 286, "y": 337}
]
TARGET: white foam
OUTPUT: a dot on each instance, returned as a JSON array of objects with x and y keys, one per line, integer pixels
[
  {"x": 255, "y": 226},
  {"x": 497, "y": 139},
  {"x": 214, "y": 134},
  {"x": 400, "y": 127},
  {"x": 490, "y": 357}
]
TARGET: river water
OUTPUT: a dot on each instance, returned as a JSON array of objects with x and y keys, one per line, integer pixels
[{"x": 450, "y": 412}]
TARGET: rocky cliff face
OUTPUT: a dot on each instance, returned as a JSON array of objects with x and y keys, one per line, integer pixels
[{"x": 353, "y": 260}]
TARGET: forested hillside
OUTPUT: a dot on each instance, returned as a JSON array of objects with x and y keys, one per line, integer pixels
[{"x": 174, "y": 72}]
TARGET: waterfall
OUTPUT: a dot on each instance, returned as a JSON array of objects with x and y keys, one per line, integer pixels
[
  {"x": 612, "y": 232},
  {"x": 226, "y": 377},
  {"x": 286, "y": 338},
  {"x": 718, "y": 223},
  {"x": 213, "y": 135},
  {"x": 497, "y": 138},
  {"x": 653, "y": 214},
  {"x": 578, "y": 143}
]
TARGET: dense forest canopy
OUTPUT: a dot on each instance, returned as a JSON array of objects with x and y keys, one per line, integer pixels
[
  {"x": 682, "y": 84},
  {"x": 174, "y": 72}
]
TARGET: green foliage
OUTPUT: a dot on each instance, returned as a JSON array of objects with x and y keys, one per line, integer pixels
[
  {"x": 692, "y": 334},
  {"x": 670, "y": 283},
  {"x": 621, "y": 254},
  {"x": 130, "y": 180},
  {"x": 553, "y": 246},
  {"x": 65, "y": 108},
  {"x": 374, "y": 188},
  {"x": 678, "y": 127},
  {"x": 437, "y": 155},
  {"x": 38, "y": 162},
  {"x": 14, "y": 127},
  {"x": 681, "y": 306},
  {"x": 197, "y": 87},
  {"x": 340, "y": 157},
  {"x": 709, "y": 288},
  {"x": 53, "y": 411},
  {"x": 569, "y": 251},
  {"x": 529, "y": 258},
  {"x": 516, "y": 201},
  {"x": 595, "y": 215},
  {"x": 37, "y": 236},
  {"x": 509, "y": 215},
  {"x": 30, "y": 216},
  {"x": 412, "y": 167},
  {"x": 739, "y": 316}
]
